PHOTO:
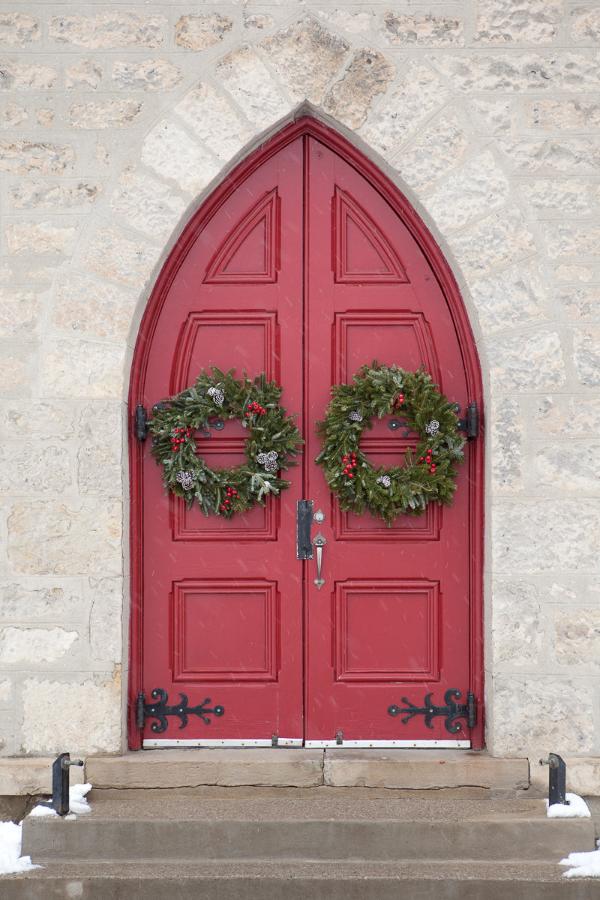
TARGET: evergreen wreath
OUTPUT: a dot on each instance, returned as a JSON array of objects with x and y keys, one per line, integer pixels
[
  {"x": 272, "y": 439},
  {"x": 427, "y": 475}
]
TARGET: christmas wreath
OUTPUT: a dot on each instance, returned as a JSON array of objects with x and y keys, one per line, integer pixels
[
  {"x": 427, "y": 474},
  {"x": 272, "y": 439}
]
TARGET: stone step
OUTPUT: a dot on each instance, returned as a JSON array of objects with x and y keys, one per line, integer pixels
[
  {"x": 253, "y": 880},
  {"x": 135, "y": 825},
  {"x": 400, "y": 769}
]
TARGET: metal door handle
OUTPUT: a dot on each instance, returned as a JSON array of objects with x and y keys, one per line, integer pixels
[{"x": 319, "y": 542}]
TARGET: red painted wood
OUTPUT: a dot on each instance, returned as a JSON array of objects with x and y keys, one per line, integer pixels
[{"x": 308, "y": 262}]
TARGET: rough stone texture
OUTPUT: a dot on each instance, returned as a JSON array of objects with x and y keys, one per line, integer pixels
[
  {"x": 114, "y": 256},
  {"x": 31, "y": 776},
  {"x": 426, "y": 30},
  {"x": 580, "y": 304},
  {"x": 575, "y": 415},
  {"x": 17, "y": 76},
  {"x": 105, "y": 312},
  {"x": 470, "y": 193},
  {"x": 54, "y": 717},
  {"x": 492, "y": 242},
  {"x": 586, "y": 355},
  {"x": 577, "y": 637},
  {"x": 53, "y": 195},
  {"x": 39, "y": 237},
  {"x": 518, "y": 626},
  {"x": 85, "y": 73},
  {"x": 106, "y": 31},
  {"x": 525, "y": 362},
  {"x": 18, "y": 29},
  {"x": 108, "y": 114},
  {"x": 46, "y": 604},
  {"x": 148, "y": 205},
  {"x": 32, "y": 647},
  {"x": 19, "y": 312},
  {"x": 147, "y": 75},
  {"x": 518, "y": 21},
  {"x": 510, "y": 298},
  {"x": 367, "y": 76},
  {"x": 507, "y": 437},
  {"x": 82, "y": 369},
  {"x": 250, "y": 83},
  {"x": 34, "y": 468},
  {"x": 557, "y": 115},
  {"x": 570, "y": 196},
  {"x": 171, "y": 153},
  {"x": 201, "y": 32},
  {"x": 574, "y": 466},
  {"x": 585, "y": 24},
  {"x": 214, "y": 121},
  {"x": 520, "y": 72},
  {"x": 22, "y": 157},
  {"x": 494, "y": 117},
  {"x": 575, "y": 155},
  {"x": 439, "y": 149},
  {"x": 306, "y": 57}
]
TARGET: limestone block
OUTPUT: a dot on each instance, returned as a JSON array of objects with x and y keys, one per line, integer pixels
[
  {"x": 344, "y": 18},
  {"x": 252, "y": 86},
  {"x": 497, "y": 240},
  {"x": 146, "y": 75},
  {"x": 23, "y": 776},
  {"x": 85, "y": 73},
  {"x": 55, "y": 603},
  {"x": 106, "y": 617},
  {"x": 476, "y": 189},
  {"x": 571, "y": 196},
  {"x": 507, "y": 444},
  {"x": 537, "y": 536},
  {"x": 577, "y": 636},
  {"x": 573, "y": 239},
  {"x": 416, "y": 95},
  {"x": 38, "y": 194},
  {"x": 84, "y": 305},
  {"x": 538, "y": 721},
  {"x": 83, "y": 715},
  {"x": 495, "y": 116},
  {"x": 573, "y": 272},
  {"x": 82, "y": 369},
  {"x": 527, "y": 362},
  {"x": 39, "y": 237},
  {"x": 170, "y": 152},
  {"x": 423, "y": 30},
  {"x": 5, "y": 693},
  {"x": 99, "y": 458},
  {"x": 258, "y": 21},
  {"x": 104, "y": 114},
  {"x": 32, "y": 647},
  {"x": 306, "y": 57},
  {"x": 551, "y": 114},
  {"x": 586, "y": 355},
  {"x": 580, "y": 303},
  {"x": 214, "y": 121},
  {"x": 146, "y": 204},
  {"x": 45, "y": 117},
  {"x": 19, "y": 311},
  {"x": 367, "y": 76},
  {"x": 561, "y": 415},
  {"x": 16, "y": 370},
  {"x": 517, "y": 21},
  {"x": 577, "y": 155},
  {"x": 585, "y": 24},
  {"x": 11, "y": 115},
  {"x": 574, "y": 467},
  {"x": 525, "y": 71},
  {"x": 510, "y": 298},
  {"x": 438, "y": 150},
  {"x": 114, "y": 256},
  {"x": 202, "y": 31},
  {"x": 34, "y": 468},
  {"x": 76, "y": 538},
  {"x": 108, "y": 30},
  {"x": 24, "y": 157},
  {"x": 17, "y": 76},
  {"x": 39, "y": 418},
  {"x": 518, "y": 625},
  {"x": 18, "y": 29}
]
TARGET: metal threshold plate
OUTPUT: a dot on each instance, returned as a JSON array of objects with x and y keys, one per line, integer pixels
[
  {"x": 440, "y": 745},
  {"x": 151, "y": 744},
  {"x": 237, "y": 742}
]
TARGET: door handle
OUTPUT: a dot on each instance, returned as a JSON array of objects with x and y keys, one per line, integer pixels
[{"x": 319, "y": 542}]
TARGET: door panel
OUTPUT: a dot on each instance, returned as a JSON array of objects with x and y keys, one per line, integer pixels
[{"x": 392, "y": 620}]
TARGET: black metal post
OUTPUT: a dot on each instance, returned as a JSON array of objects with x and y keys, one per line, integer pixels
[
  {"x": 60, "y": 783},
  {"x": 557, "y": 779}
]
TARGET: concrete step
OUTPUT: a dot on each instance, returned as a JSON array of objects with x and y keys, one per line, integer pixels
[
  {"x": 135, "y": 825},
  {"x": 400, "y": 769},
  {"x": 253, "y": 880}
]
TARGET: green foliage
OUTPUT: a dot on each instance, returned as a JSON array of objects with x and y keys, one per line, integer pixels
[
  {"x": 376, "y": 392},
  {"x": 231, "y": 490}
]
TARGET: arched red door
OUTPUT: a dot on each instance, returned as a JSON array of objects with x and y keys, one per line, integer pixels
[{"x": 306, "y": 263}]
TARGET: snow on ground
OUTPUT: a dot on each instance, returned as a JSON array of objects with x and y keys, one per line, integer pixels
[
  {"x": 576, "y": 809},
  {"x": 11, "y": 835},
  {"x": 584, "y": 865},
  {"x": 10, "y": 850}
]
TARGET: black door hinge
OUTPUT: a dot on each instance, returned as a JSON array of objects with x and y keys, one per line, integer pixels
[
  {"x": 160, "y": 709},
  {"x": 450, "y": 712},
  {"x": 470, "y": 423},
  {"x": 140, "y": 419}
]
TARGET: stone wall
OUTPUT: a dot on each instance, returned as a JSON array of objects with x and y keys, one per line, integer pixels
[{"x": 115, "y": 120}]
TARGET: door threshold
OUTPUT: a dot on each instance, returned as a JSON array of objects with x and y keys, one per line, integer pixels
[
  {"x": 156, "y": 744},
  {"x": 382, "y": 745},
  {"x": 151, "y": 744}
]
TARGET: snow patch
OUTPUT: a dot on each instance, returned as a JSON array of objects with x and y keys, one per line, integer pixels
[
  {"x": 77, "y": 803},
  {"x": 10, "y": 850},
  {"x": 585, "y": 865},
  {"x": 577, "y": 808}
]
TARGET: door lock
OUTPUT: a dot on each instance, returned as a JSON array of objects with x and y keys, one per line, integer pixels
[{"x": 319, "y": 542}]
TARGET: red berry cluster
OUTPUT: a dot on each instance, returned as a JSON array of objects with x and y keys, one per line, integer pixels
[
  {"x": 226, "y": 504},
  {"x": 428, "y": 462},
  {"x": 349, "y": 464},
  {"x": 398, "y": 401},
  {"x": 178, "y": 437},
  {"x": 255, "y": 409}
]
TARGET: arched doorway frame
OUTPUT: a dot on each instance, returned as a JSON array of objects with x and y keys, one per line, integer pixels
[{"x": 449, "y": 286}]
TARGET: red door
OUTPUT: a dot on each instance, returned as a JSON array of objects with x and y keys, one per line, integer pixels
[{"x": 305, "y": 264}]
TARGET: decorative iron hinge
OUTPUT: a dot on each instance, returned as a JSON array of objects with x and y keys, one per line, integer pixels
[
  {"x": 160, "y": 709},
  {"x": 451, "y": 711},
  {"x": 470, "y": 423},
  {"x": 140, "y": 419}
]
